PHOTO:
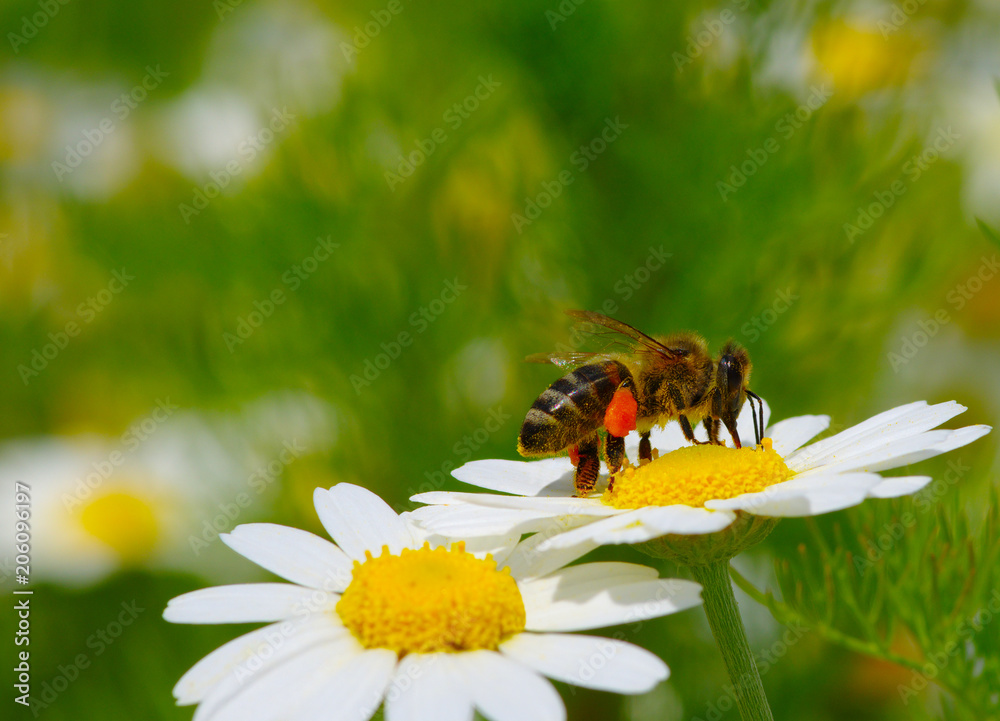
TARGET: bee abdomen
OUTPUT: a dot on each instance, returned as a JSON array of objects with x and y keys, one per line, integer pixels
[{"x": 571, "y": 408}]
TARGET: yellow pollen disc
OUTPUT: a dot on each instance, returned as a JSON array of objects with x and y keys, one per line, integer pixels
[
  {"x": 124, "y": 522},
  {"x": 695, "y": 474},
  {"x": 425, "y": 600}
]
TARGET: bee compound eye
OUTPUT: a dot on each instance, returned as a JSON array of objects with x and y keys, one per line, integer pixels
[{"x": 734, "y": 375}]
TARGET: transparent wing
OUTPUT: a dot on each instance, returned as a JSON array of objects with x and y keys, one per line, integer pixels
[
  {"x": 643, "y": 342},
  {"x": 570, "y": 359}
]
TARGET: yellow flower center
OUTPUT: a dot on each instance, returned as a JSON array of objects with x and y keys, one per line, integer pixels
[
  {"x": 695, "y": 474},
  {"x": 425, "y": 600},
  {"x": 124, "y": 522}
]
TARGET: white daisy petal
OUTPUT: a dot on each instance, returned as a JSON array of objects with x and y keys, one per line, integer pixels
[
  {"x": 590, "y": 661},
  {"x": 280, "y": 689},
  {"x": 894, "y": 454},
  {"x": 498, "y": 547},
  {"x": 360, "y": 521},
  {"x": 586, "y": 579},
  {"x": 804, "y": 496},
  {"x": 504, "y": 690},
  {"x": 594, "y": 595},
  {"x": 247, "y": 603},
  {"x": 298, "y": 556},
  {"x": 643, "y": 524},
  {"x": 428, "y": 687},
  {"x": 355, "y": 691},
  {"x": 547, "y": 477},
  {"x": 893, "y": 425},
  {"x": 683, "y": 519},
  {"x": 465, "y": 520},
  {"x": 789, "y": 435},
  {"x": 898, "y": 486},
  {"x": 552, "y": 506},
  {"x": 589, "y": 532},
  {"x": 270, "y": 643},
  {"x": 527, "y": 561}
]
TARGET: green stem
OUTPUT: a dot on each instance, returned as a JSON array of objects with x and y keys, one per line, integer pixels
[{"x": 727, "y": 627}]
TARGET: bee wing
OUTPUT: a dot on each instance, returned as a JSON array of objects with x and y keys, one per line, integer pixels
[
  {"x": 643, "y": 342},
  {"x": 563, "y": 360}
]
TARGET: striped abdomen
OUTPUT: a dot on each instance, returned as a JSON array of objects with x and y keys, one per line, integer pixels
[{"x": 570, "y": 409}]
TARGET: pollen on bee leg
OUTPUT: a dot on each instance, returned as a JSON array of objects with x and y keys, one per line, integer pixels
[
  {"x": 620, "y": 416},
  {"x": 574, "y": 455}
]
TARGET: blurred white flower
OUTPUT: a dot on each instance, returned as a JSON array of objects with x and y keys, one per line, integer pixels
[
  {"x": 161, "y": 491},
  {"x": 283, "y": 54}
]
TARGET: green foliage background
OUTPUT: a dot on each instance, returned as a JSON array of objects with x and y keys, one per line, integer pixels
[{"x": 654, "y": 190}]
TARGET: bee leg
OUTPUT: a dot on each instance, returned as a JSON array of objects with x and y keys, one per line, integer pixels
[
  {"x": 712, "y": 426},
  {"x": 678, "y": 400},
  {"x": 645, "y": 448},
  {"x": 589, "y": 466},
  {"x": 688, "y": 431},
  {"x": 614, "y": 452}
]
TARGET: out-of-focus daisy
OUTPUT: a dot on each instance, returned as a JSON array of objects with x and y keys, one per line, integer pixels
[
  {"x": 96, "y": 507},
  {"x": 435, "y": 630},
  {"x": 703, "y": 489},
  {"x": 159, "y": 493}
]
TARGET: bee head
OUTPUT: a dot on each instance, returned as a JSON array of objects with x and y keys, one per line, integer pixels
[{"x": 732, "y": 376}]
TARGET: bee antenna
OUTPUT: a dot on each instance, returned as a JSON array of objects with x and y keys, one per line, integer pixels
[{"x": 758, "y": 425}]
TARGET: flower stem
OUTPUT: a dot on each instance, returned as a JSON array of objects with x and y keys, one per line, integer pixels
[{"x": 727, "y": 627}]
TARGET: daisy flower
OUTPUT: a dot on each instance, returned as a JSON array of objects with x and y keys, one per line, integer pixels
[
  {"x": 158, "y": 494},
  {"x": 703, "y": 489},
  {"x": 433, "y": 629},
  {"x": 701, "y": 505}
]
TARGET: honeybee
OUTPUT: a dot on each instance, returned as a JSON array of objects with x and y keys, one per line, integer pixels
[{"x": 654, "y": 381}]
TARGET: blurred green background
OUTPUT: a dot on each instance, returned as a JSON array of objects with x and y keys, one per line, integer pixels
[{"x": 320, "y": 237}]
